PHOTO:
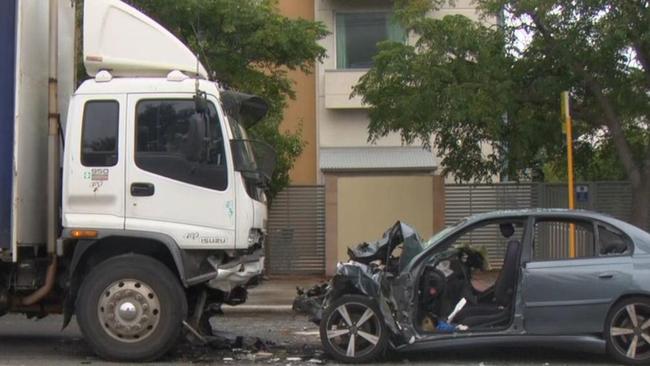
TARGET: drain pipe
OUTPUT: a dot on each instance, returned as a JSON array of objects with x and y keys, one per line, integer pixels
[{"x": 52, "y": 219}]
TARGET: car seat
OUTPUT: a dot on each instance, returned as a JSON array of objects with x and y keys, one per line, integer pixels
[{"x": 497, "y": 310}]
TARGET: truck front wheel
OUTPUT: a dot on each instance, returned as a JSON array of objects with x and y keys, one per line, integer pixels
[{"x": 131, "y": 308}]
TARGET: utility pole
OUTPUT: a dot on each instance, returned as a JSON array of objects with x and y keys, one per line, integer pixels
[{"x": 568, "y": 130}]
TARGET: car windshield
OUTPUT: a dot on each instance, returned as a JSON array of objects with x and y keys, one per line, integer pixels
[{"x": 439, "y": 235}]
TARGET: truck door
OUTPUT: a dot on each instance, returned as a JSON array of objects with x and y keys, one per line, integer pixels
[
  {"x": 93, "y": 179},
  {"x": 179, "y": 175}
]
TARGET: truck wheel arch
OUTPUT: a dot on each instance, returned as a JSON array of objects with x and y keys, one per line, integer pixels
[{"x": 110, "y": 243}]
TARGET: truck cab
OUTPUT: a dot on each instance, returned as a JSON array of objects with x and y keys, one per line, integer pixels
[
  {"x": 162, "y": 214},
  {"x": 142, "y": 160}
]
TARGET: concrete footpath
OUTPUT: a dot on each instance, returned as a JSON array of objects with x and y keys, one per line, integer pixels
[{"x": 274, "y": 294}]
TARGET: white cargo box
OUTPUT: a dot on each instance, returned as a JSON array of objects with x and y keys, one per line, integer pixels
[{"x": 30, "y": 113}]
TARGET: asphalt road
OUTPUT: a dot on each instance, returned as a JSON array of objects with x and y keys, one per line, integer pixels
[{"x": 284, "y": 337}]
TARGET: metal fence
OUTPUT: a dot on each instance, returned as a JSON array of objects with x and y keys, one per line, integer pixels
[
  {"x": 297, "y": 218},
  {"x": 296, "y": 243},
  {"x": 462, "y": 200}
]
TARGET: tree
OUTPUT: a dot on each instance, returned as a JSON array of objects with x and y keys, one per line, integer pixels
[
  {"x": 490, "y": 101},
  {"x": 248, "y": 46}
]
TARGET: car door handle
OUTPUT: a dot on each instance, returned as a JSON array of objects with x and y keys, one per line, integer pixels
[
  {"x": 606, "y": 275},
  {"x": 142, "y": 189}
]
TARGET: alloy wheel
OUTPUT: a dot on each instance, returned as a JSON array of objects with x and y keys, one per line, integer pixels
[
  {"x": 630, "y": 331},
  {"x": 353, "y": 330}
]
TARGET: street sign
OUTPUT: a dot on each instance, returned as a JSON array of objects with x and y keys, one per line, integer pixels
[{"x": 582, "y": 193}]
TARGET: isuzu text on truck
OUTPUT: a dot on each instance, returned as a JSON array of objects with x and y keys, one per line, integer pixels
[{"x": 153, "y": 209}]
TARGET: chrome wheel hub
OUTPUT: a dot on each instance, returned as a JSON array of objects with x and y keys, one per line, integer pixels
[{"x": 129, "y": 310}]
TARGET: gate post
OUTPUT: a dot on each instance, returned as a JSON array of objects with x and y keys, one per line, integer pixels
[{"x": 439, "y": 203}]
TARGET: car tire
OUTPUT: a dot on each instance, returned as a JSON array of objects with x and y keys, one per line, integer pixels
[
  {"x": 131, "y": 308},
  {"x": 352, "y": 330},
  {"x": 627, "y": 331}
]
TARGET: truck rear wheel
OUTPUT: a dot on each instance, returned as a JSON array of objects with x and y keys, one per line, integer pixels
[{"x": 131, "y": 308}]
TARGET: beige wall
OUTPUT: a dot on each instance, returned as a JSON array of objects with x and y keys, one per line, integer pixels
[
  {"x": 367, "y": 206},
  {"x": 361, "y": 207},
  {"x": 301, "y": 112}
]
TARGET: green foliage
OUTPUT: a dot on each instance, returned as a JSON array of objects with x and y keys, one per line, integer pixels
[
  {"x": 248, "y": 46},
  {"x": 471, "y": 85}
]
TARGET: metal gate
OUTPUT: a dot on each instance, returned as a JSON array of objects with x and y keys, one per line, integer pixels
[
  {"x": 612, "y": 198},
  {"x": 296, "y": 243},
  {"x": 462, "y": 200}
]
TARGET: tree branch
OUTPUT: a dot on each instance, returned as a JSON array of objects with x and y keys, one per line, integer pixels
[{"x": 612, "y": 119}]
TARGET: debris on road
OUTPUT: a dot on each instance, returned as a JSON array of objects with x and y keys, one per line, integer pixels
[{"x": 235, "y": 342}]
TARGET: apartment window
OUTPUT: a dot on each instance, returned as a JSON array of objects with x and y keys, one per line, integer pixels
[
  {"x": 99, "y": 133},
  {"x": 357, "y": 35}
]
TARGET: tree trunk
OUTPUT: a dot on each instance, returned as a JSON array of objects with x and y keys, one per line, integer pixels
[{"x": 641, "y": 202}]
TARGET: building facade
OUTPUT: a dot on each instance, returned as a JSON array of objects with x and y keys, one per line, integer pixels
[{"x": 368, "y": 186}]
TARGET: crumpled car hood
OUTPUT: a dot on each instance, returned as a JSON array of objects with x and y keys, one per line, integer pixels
[
  {"x": 365, "y": 273},
  {"x": 400, "y": 233}
]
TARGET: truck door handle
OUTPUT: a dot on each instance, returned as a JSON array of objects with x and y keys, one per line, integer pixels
[
  {"x": 606, "y": 275},
  {"x": 142, "y": 189}
]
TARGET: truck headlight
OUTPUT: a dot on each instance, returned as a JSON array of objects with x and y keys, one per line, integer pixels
[{"x": 254, "y": 236}]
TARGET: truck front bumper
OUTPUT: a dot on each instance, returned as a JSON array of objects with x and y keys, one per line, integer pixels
[{"x": 238, "y": 272}]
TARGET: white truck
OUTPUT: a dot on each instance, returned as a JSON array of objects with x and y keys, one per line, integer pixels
[{"x": 134, "y": 203}]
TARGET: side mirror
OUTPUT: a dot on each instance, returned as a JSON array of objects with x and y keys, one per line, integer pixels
[{"x": 200, "y": 102}]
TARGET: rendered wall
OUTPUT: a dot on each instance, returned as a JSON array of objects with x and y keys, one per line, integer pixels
[
  {"x": 7, "y": 90},
  {"x": 300, "y": 113},
  {"x": 368, "y": 205}
]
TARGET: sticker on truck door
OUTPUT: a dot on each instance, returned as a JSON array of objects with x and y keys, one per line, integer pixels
[{"x": 96, "y": 174}]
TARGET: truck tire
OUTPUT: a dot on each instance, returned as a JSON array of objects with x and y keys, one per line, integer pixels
[{"x": 131, "y": 308}]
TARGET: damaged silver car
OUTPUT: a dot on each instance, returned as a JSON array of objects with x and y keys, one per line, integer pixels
[{"x": 574, "y": 279}]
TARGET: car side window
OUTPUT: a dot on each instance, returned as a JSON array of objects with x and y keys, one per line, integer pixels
[
  {"x": 552, "y": 239},
  {"x": 174, "y": 141},
  {"x": 612, "y": 242}
]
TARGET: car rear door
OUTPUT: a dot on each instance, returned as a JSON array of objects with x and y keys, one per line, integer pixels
[{"x": 565, "y": 295}]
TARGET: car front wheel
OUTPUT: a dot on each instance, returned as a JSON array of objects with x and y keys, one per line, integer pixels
[
  {"x": 352, "y": 330},
  {"x": 627, "y": 331}
]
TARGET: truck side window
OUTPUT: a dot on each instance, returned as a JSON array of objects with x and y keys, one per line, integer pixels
[
  {"x": 174, "y": 141},
  {"x": 99, "y": 133}
]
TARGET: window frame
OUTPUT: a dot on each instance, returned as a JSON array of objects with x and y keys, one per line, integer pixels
[
  {"x": 451, "y": 240},
  {"x": 616, "y": 230},
  {"x": 83, "y": 130},
  {"x": 222, "y": 128},
  {"x": 337, "y": 16},
  {"x": 568, "y": 220}
]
